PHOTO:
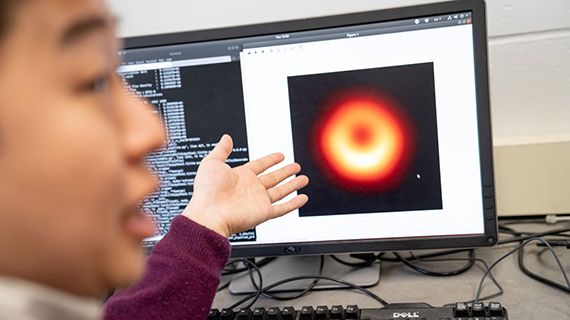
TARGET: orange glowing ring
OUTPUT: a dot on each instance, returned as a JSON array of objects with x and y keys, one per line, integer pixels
[{"x": 362, "y": 141}]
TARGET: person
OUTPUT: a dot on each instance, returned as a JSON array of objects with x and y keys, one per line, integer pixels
[{"x": 73, "y": 143}]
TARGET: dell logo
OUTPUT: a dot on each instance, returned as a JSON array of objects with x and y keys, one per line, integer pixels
[
  {"x": 406, "y": 315},
  {"x": 292, "y": 249}
]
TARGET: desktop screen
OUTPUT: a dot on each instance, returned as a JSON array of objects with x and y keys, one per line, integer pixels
[{"x": 382, "y": 116}]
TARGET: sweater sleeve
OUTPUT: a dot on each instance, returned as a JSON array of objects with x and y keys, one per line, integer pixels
[{"x": 182, "y": 275}]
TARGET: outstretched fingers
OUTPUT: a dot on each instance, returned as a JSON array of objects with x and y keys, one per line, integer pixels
[
  {"x": 290, "y": 205},
  {"x": 274, "y": 178},
  {"x": 223, "y": 148},
  {"x": 260, "y": 165},
  {"x": 280, "y": 192}
]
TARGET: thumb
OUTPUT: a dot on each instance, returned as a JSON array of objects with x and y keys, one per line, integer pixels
[{"x": 222, "y": 149}]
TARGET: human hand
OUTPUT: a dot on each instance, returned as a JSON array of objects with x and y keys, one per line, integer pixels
[{"x": 229, "y": 200}]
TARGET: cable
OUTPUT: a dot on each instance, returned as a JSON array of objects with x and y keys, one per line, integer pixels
[
  {"x": 521, "y": 221},
  {"x": 296, "y": 295},
  {"x": 524, "y": 243},
  {"x": 259, "y": 291},
  {"x": 562, "y": 235},
  {"x": 426, "y": 255},
  {"x": 538, "y": 277},
  {"x": 554, "y": 219},
  {"x": 251, "y": 266},
  {"x": 556, "y": 243},
  {"x": 535, "y": 235},
  {"x": 507, "y": 230},
  {"x": 467, "y": 266},
  {"x": 521, "y": 262},
  {"x": 260, "y": 264},
  {"x": 278, "y": 283},
  {"x": 363, "y": 263},
  {"x": 311, "y": 286},
  {"x": 474, "y": 259},
  {"x": 225, "y": 285},
  {"x": 548, "y": 219},
  {"x": 491, "y": 296}
]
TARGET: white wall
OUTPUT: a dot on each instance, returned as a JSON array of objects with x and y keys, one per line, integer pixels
[{"x": 529, "y": 50}]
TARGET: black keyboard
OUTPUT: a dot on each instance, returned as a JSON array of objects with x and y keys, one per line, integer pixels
[{"x": 395, "y": 311}]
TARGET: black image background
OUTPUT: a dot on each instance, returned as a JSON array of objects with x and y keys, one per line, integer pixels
[
  {"x": 213, "y": 101},
  {"x": 412, "y": 86},
  {"x": 212, "y": 95},
  {"x": 213, "y": 106}
]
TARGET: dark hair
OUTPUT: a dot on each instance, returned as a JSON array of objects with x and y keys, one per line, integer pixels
[
  {"x": 6, "y": 10},
  {"x": 4, "y": 4}
]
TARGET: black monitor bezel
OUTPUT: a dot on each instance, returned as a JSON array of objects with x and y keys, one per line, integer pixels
[{"x": 477, "y": 7}]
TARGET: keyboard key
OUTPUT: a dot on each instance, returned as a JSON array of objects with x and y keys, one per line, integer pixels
[
  {"x": 244, "y": 314},
  {"x": 321, "y": 312},
  {"x": 273, "y": 313},
  {"x": 461, "y": 310},
  {"x": 352, "y": 312},
  {"x": 227, "y": 314},
  {"x": 307, "y": 313},
  {"x": 259, "y": 314},
  {"x": 496, "y": 310},
  {"x": 337, "y": 312},
  {"x": 478, "y": 310},
  {"x": 214, "y": 314},
  {"x": 288, "y": 313}
]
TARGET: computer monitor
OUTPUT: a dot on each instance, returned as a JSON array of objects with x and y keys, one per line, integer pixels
[{"x": 386, "y": 111}]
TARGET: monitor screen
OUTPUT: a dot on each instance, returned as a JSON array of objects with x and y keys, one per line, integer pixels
[{"x": 387, "y": 112}]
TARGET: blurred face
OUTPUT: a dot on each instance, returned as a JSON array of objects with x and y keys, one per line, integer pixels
[{"x": 72, "y": 147}]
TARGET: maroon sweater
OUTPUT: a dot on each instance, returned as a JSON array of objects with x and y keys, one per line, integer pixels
[{"x": 182, "y": 275}]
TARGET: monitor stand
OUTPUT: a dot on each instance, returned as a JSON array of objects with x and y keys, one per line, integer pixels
[{"x": 287, "y": 267}]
